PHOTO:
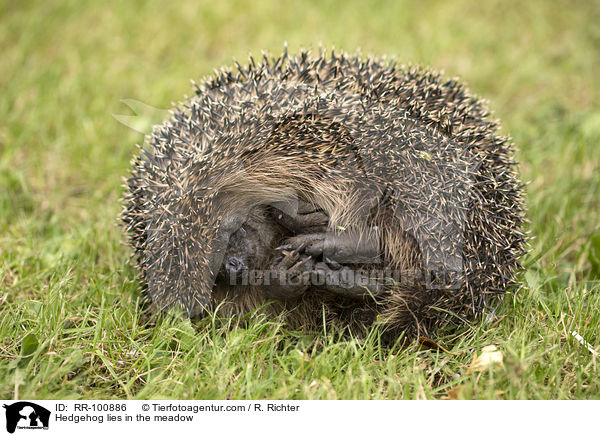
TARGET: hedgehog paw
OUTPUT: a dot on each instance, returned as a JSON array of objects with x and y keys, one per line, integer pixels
[
  {"x": 343, "y": 248},
  {"x": 305, "y": 219},
  {"x": 289, "y": 275}
]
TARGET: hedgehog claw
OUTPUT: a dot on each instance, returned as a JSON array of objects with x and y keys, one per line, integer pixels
[
  {"x": 291, "y": 279},
  {"x": 299, "y": 264}
]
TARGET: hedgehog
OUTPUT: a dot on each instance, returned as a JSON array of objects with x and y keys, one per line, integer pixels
[{"x": 328, "y": 188}]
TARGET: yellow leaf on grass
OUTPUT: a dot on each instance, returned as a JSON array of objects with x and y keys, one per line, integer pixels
[{"x": 490, "y": 356}]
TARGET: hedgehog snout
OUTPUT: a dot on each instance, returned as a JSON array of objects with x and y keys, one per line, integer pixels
[{"x": 234, "y": 265}]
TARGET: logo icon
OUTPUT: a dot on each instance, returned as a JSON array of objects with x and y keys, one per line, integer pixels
[{"x": 26, "y": 415}]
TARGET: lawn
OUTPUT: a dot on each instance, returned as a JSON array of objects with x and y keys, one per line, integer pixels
[{"x": 71, "y": 325}]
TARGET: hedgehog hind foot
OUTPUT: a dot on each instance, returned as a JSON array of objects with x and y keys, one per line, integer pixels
[
  {"x": 338, "y": 265},
  {"x": 304, "y": 218},
  {"x": 347, "y": 248}
]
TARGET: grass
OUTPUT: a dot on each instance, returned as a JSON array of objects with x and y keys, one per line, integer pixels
[{"x": 70, "y": 323}]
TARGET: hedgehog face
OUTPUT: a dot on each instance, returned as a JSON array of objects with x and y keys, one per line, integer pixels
[
  {"x": 248, "y": 247},
  {"x": 246, "y": 250},
  {"x": 240, "y": 252}
]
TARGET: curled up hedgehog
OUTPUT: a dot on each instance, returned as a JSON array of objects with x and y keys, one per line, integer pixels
[{"x": 336, "y": 188}]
